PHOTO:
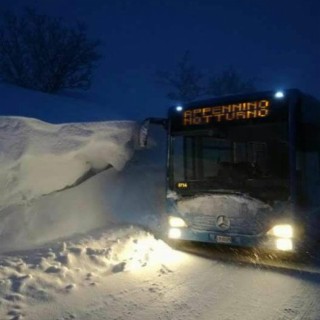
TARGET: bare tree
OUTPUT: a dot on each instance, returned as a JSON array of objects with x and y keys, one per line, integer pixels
[
  {"x": 41, "y": 53},
  {"x": 229, "y": 82},
  {"x": 185, "y": 81}
]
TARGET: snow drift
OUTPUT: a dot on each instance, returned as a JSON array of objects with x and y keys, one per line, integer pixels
[
  {"x": 39, "y": 158},
  {"x": 39, "y": 276}
]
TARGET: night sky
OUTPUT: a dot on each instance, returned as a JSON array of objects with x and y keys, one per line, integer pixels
[{"x": 276, "y": 42}]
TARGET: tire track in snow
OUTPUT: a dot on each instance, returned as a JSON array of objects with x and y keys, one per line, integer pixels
[{"x": 303, "y": 304}]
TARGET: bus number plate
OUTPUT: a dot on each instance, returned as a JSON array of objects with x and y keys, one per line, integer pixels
[{"x": 223, "y": 239}]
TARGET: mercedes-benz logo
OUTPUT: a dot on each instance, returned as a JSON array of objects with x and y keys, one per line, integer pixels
[{"x": 223, "y": 223}]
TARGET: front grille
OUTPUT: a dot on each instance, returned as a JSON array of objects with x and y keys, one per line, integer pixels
[
  {"x": 204, "y": 223},
  {"x": 237, "y": 225}
]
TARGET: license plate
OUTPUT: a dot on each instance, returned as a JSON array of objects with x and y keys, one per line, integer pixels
[{"x": 223, "y": 239}]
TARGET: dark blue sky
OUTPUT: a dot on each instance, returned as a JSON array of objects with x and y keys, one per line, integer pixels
[{"x": 277, "y": 42}]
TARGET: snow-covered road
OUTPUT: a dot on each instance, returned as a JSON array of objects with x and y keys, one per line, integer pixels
[
  {"x": 168, "y": 284},
  {"x": 194, "y": 288}
]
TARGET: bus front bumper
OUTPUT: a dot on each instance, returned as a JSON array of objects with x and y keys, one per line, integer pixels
[{"x": 262, "y": 241}]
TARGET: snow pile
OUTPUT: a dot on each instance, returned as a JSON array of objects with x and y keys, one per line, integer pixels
[
  {"x": 39, "y": 159},
  {"x": 214, "y": 205},
  {"x": 39, "y": 275}
]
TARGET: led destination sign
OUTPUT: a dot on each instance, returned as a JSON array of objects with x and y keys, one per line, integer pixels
[{"x": 230, "y": 112}]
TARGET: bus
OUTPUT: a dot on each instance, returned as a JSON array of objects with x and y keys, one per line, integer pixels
[{"x": 243, "y": 170}]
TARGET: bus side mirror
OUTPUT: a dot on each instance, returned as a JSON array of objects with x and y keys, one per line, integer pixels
[
  {"x": 144, "y": 129},
  {"x": 144, "y": 133}
]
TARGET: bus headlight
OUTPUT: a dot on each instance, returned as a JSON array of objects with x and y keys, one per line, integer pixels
[
  {"x": 176, "y": 222},
  {"x": 284, "y": 244},
  {"x": 174, "y": 233},
  {"x": 282, "y": 231}
]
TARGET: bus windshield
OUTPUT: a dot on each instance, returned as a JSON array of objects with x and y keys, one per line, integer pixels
[{"x": 251, "y": 159}]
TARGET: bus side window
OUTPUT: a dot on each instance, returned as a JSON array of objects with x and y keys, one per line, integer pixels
[{"x": 189, "y": 158}]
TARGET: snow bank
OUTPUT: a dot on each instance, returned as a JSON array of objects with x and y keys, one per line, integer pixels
[
  {"x": 39, "y": 158},
  {"x": 39, "y": 275}
]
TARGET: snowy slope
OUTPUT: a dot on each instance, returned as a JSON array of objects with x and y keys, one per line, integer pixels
[{"x": 79, "y": 107}]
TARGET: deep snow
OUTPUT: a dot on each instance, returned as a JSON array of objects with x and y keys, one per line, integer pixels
[
  {"x": 39, "y": 162},
  {"x": 39, "y": 159},
  {"x": 60, "y": 266},
  {"x": 125, "y": 273}
]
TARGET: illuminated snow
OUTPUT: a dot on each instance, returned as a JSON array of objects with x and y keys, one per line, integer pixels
[{"x": 41, "y": 275}]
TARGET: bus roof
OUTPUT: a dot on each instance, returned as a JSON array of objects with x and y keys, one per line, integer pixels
[{"x": 238, "y": 97}]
